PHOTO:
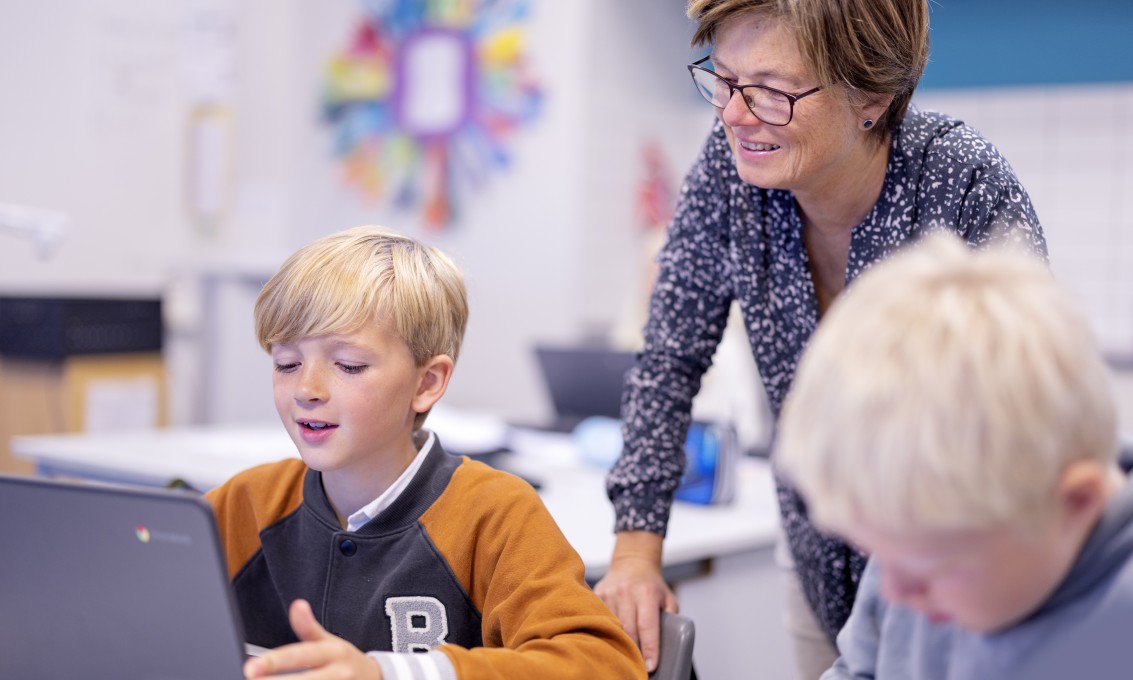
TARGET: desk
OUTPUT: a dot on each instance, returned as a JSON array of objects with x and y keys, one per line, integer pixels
[
  {"x": 575, "y": 493},
  {"x": 730, "y": 546}
]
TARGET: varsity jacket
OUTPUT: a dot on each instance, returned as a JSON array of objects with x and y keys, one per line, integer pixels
[{"x": 466, "y": 564}]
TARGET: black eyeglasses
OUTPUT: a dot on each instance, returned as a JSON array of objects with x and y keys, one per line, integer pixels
[{"x": 771, "y": 106}]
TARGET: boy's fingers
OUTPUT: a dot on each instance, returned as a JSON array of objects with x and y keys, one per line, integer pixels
[
  {"x": 254, "y": 668},
  {"x": 300, "y": 656},
  {"x": 286, "y": 659},
  {"x": 295, "y": 657},
  {"x": 303, "y": 622}
]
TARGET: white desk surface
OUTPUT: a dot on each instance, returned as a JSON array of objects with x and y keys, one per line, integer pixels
[{"x": 574, "y": 492}]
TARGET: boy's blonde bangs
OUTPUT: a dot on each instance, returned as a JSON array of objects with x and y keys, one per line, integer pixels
[
  {"x": 302, "y": 301},
  {"x": 341, "y": 282},
  {"x": 945, "y": 390}
]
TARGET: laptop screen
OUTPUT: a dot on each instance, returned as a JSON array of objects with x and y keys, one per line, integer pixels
[
  {"x": 105, "y": 581},
  {"x": 584, "y": 381}
]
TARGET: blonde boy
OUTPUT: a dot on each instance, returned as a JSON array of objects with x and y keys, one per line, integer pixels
[
  {"x": 953, "y": 418},
  {"x": 377, "y": 540}
]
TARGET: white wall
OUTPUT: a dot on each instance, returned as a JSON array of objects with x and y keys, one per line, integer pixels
[
  {"x": 551, "y": 248},
  {"x": 516, "y": 239},
  {"x": 1072, "y": 146},
  {"x": 95, "y": 122},
  {"x": 90, "y": 125}
]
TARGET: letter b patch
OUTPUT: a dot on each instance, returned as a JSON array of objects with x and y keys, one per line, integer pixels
[{"x": 419, "y": 624}]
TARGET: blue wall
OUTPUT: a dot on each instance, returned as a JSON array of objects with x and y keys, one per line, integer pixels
[{"x": 992, "y": 43}]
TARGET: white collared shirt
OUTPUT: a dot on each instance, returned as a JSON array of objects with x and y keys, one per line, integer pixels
[{"x": 371, "y": 510}]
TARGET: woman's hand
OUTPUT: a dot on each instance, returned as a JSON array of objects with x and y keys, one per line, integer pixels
[
  {"x": 318, "y": 654},
  {"x": 635, "y": 590}
]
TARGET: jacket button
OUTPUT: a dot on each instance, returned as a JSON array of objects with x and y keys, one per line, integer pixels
[{"x": 348, "y": 547}]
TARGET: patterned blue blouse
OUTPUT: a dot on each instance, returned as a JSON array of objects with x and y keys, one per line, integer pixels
[{"x": 734, "y": 241}]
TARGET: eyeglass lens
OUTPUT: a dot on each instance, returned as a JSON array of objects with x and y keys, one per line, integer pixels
[{"x": 772, "y": 107}]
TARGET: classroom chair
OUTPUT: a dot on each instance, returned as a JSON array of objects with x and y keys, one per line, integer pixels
[{"x": 678, "y": 633}]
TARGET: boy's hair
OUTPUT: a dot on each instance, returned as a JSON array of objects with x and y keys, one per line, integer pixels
[
  {"x": 343, "y": 281},
  {"x": 947, "y": 389}
]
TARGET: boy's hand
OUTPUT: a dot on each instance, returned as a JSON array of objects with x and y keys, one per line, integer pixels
[{"x": 319, "y": 654}]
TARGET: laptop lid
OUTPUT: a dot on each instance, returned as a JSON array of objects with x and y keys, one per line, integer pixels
[
  {"x": 107, "y": 581},
  {"x": 584, "y": 381}
]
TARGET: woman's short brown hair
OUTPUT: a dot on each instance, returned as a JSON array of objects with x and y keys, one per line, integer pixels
[{"x": 856, "y": 47}]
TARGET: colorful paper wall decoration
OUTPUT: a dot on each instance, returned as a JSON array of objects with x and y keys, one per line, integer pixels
[
  {"x": 425, "y": 97},
  {"x": 656, "y": 192}
]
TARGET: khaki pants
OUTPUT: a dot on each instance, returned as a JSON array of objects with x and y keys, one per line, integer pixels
[{"x": 813, "y": 651}]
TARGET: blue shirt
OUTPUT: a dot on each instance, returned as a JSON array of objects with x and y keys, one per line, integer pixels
[{"x": 1080, "y": 631}]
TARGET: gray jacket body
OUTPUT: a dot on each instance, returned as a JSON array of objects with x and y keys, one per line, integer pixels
[{"x": 1084, "y": 630}]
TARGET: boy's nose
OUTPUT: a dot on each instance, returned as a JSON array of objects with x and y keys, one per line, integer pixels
[
  {"x": 899, "y": 587},
  {"x": 311, "y": 386}
]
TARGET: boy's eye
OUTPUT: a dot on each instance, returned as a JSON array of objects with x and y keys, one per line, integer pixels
[
  {"x": 282, "y": 367},
  {"x": 352, "y": 369}
]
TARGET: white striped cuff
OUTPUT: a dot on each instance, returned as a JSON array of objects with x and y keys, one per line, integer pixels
[{"x": 429, "y": 666}]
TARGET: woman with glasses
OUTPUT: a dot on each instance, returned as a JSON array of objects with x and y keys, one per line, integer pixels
[{"x": 816, "y": 167}]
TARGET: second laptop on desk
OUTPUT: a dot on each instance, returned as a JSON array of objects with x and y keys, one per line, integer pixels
[
  {"x": 587, "y": 381},
  {"x": 583, "y": 381}
]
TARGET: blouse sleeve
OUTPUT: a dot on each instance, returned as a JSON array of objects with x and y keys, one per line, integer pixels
[
  {"x": 988, "y": 205},
  {"x": 688, "y": 311}
]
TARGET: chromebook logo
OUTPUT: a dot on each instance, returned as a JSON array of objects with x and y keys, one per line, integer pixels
[{"x": 144, "y": 535}]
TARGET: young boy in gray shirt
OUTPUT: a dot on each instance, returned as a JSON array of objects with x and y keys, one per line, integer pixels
[{"x": 953, "y": 418}]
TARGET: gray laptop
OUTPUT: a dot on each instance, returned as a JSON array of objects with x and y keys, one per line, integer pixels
[
  {"x": 99, "y": 581},
  {"x": 583, "y": 381}
]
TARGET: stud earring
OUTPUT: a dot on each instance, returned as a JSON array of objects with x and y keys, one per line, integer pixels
[{"x": 868, "y": 123}]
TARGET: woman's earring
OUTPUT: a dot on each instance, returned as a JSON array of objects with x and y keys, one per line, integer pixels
[{"x": 868, "y": 123}]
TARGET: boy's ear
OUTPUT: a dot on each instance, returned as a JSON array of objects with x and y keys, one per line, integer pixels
[
  {"x": 1083, "y": 490},
  {"x": 433, "y": 382}
]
